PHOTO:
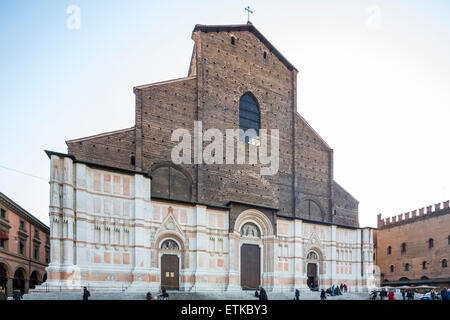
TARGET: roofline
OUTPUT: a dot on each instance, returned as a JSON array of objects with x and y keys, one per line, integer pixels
[
  {"x": 418, "y": 281},
  {"x": 245, "y": 27},
  {"x": 312, "y": 129},
  {"x": 334, "y": 181},
  {"x": 104, "y": 134},
  {"x": 144, "y": 86},
  {"x": 324, "y": 223},
  {"x": 251, "y": 205},
  {"x": 22, "y": 211},
  {"x": 97, "y": 165},
  {"x": 191, "y": 203}
]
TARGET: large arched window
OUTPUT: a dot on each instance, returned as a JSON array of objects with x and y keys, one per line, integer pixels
[
  {"x": 389, "y": 250},
  {"x": 309, "y": 209},
  {"x": 249, "y": 117},
  {"x": 403, "y": 247},
  {"x": 171, "y": 183},
  {"x": 430, "y": 243}
]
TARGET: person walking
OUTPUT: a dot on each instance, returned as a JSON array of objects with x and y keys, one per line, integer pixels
[
  {"x": 332, "y": 290},
  {"x": 410, "y": 295},
  {"x": 444, "y": 294},
  {"x": 403, "y": 294},
  {"x": 17, "y": 295},
  {"x": 163, "y": 295},
  {"x": 433, "y": 295},
  {"x": 3, "y": 296},
  {"x": 345, "y": 287},
  {"x": 297, "y": 294},
  {"x": 86, "y": 294},
  {"x": 383, "y": 294},
  {"x": 391, "y": 295},
  {"x": 262, "y": 294},
  {"x": 323, "y": 295}
]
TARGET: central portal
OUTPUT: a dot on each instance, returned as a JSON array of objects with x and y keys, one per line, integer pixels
[
  {"x": 250, "y": 266},
  {"x": 312, "y": 275},
  {"x": 169, "y": 272}
]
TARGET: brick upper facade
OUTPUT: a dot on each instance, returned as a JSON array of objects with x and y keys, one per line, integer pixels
[{"x": 219, "y": 74}]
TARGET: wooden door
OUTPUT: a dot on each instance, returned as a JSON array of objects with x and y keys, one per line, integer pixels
[
  {"x": 312, "y": 274},
  {"x": 170, "y": 272},
  {"x": 250, "y": 266}
]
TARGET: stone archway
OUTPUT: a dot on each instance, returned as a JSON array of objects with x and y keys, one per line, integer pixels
[
  {"x": 254, "y": 236},
  {"x": 170, "y": 260},
  {"x": 312, "y": 269},
  {"x": 35, "y": 279},
  {"x": 4, "y": 276},
  {"x": 19, "y": 280}
]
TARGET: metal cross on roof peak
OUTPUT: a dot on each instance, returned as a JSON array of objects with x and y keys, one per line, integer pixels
[{"x": 249, "y": 12}]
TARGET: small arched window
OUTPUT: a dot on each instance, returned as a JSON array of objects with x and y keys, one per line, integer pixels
[
  {"x": 407, "y": 267},
  {"x": 170, "y": 244},
  {"x": 444, "y": 263},
  {"x": 430, "y": 243},
  {"x": 233, "y": 40},
  {"x": 312, "y": 256},
  {"x": 391, "y": 268},
  {"x": 403, "y": 247},
  {"x": 249, "y": 118},
  {"x": 389, "y": 250},
  {"x": 250, "y": 230},
  {"x": 424, "y": 265},
  {"x": 449, "y": 240}
]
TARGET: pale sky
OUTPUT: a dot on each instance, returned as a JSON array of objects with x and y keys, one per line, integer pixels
[{"x": 374, "y": 80}]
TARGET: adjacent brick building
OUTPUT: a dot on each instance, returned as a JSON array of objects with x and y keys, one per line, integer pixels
[
  {"x": 24, "y": 247},
  {"x": 414, "y": 247}
]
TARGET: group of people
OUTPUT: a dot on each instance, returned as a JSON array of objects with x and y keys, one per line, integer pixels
[
  {"x": 444, "y": 294},
  {"x": 408, "y": 294},
  {"x": 334, "y": 291},
  {"x": 390, "y": 295},
  {"x": 17, "y": 294},
  {"x": 163, "y": 295}
]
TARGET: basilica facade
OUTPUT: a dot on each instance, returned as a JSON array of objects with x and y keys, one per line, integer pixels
[{"x": 124, "y": 216}]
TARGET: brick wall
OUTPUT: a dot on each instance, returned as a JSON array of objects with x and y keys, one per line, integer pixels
[
  {"x": 415, "y": 234},
  {"x": 219, "y": 74}
]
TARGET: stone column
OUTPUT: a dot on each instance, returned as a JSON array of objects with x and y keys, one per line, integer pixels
[
  {"x": 359, "y": 258},
  {"x": 140, "y": 238},
  {"x": 333, "y": 274},
  {"x": 299, "y": 276},
  {"x": 55, "y": 211},
  {"x": 26, "y": 286},
  {"x": 233, "y": 272},
  {"x": 9, "y": 289},
  {"x": 201, "y": 248},
  {"x": 68, "y": 212}
]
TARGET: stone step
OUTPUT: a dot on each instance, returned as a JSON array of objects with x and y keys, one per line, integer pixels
[{"x": 179, "y": 295}]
